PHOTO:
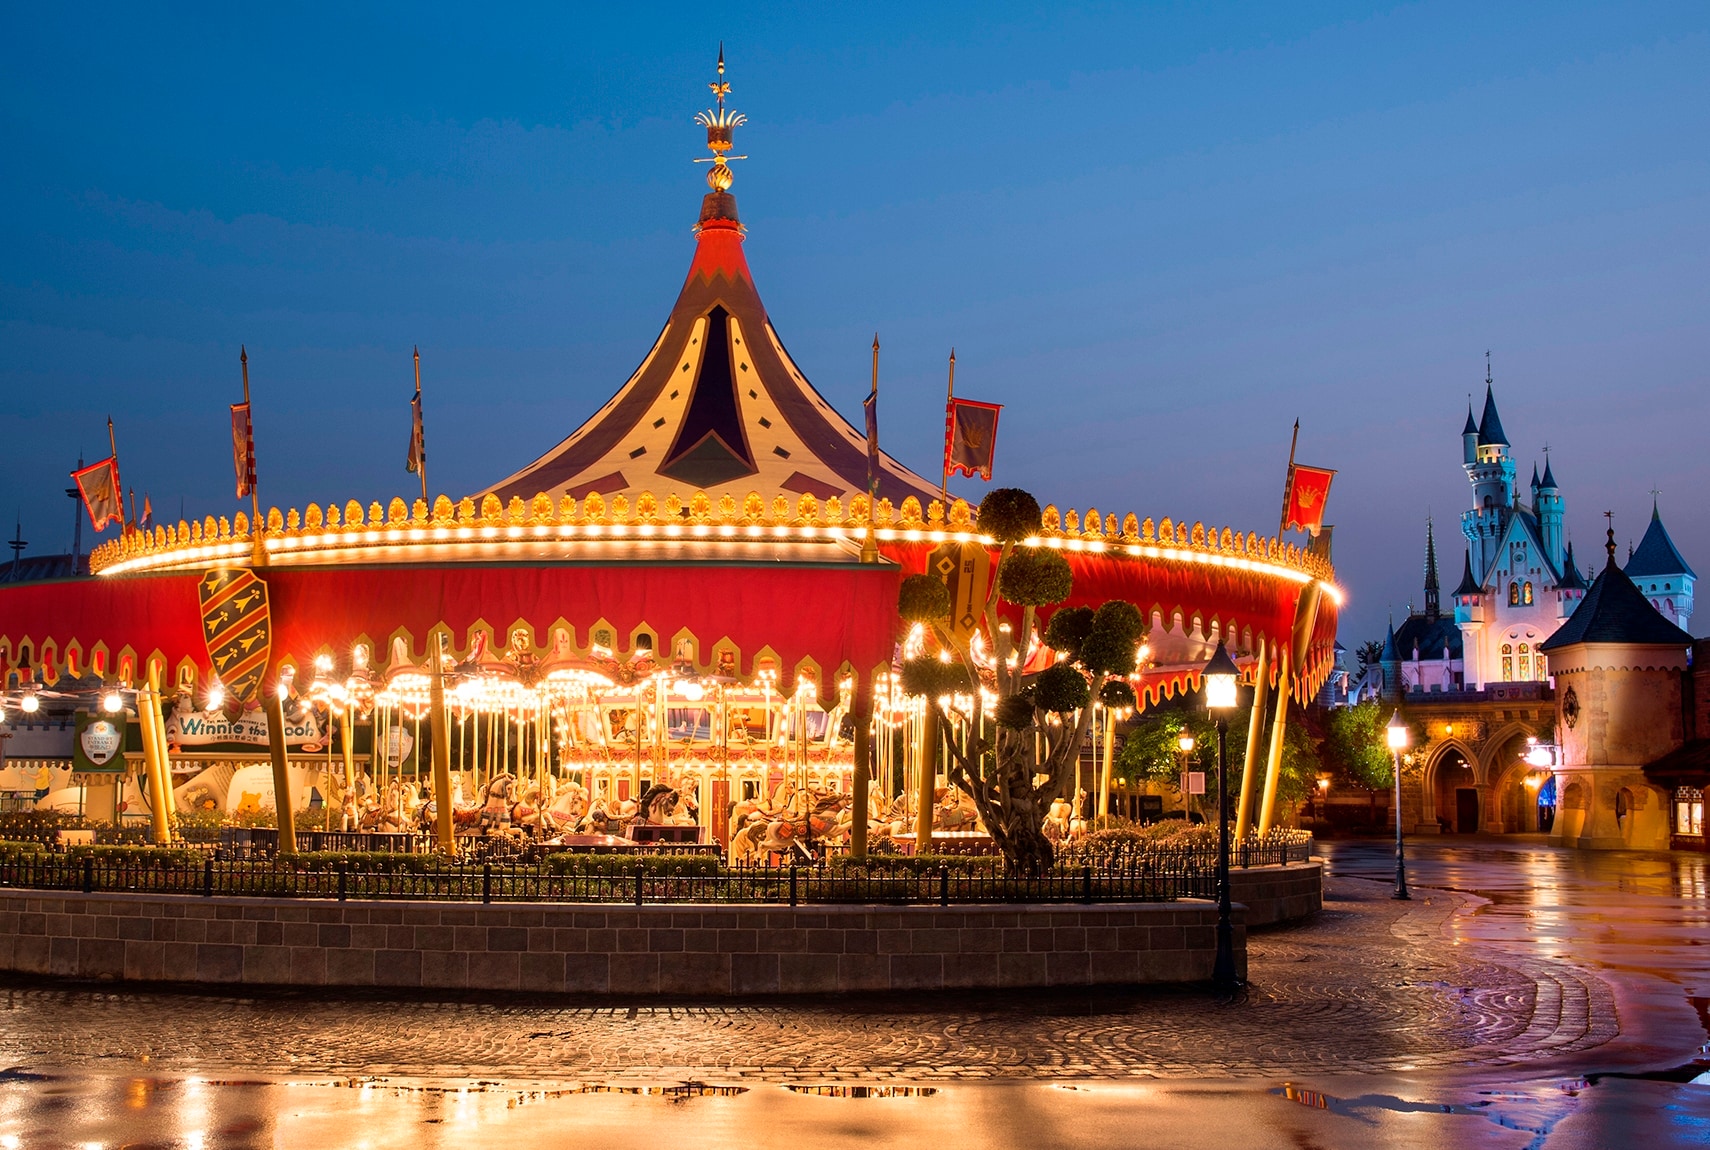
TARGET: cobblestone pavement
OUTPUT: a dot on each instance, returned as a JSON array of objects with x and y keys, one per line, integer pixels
[
  {"x": 1369, "y": 985},
  {"x": 1488, "y": 1012}
]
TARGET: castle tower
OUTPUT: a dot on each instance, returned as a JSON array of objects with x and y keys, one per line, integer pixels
[
  {"x": 1661, "y": 574},
  {"x": 1551, "y": 511},
  {"x": 1491, "y": 473}
]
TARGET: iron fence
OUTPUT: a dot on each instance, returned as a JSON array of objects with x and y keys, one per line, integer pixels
[{"x": 507, "y": 882}]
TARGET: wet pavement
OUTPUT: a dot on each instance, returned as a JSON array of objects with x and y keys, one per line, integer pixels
[{"x": 1527, "y": 996}]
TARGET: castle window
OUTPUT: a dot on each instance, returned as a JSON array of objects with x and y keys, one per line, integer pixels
[
  {"x": 1514, "y": 594},
  {"x": 1525, "y": 662},
  {"x": 1507, "y": 662},
  {"x": 1526, "y": 596}
]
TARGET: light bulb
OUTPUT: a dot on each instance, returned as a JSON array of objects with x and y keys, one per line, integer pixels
[
  {"x": 113, "y": 703},
  {"x": 30, "y": 704}
]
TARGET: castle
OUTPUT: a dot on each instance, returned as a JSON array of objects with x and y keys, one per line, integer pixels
[{"x": 1519, "y": 580}]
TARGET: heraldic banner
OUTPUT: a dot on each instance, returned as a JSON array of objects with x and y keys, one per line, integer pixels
[{"x": 237, "y": 630}]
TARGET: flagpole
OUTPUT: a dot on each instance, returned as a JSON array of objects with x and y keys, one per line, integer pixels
[
  {"x": 113, "y": 454},
  {"x": 1288, "y": 482},
  {"x": 949, "y": 396},
  {"x": 869, "y": 543},
  {"x": 422, "y": 463},
  {"x": 873, "y": 478},
  {"x": 254, "y": 496}
]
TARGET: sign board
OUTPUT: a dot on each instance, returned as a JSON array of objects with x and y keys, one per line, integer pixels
[
  {"x": 201, "y": 728},
  {"x": 98, "y": 742},
  {"x": 1193, "y": 783}
]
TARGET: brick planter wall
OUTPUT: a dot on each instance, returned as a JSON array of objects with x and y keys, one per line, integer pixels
[
  {"x": 1275, "y": 894},
  {"x": 683, "y": 950}
]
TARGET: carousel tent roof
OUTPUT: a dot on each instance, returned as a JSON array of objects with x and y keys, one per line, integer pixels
[{"x": 717, "y": 405}]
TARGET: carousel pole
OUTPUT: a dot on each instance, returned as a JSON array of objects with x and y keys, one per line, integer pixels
[
  {"x": 441, "y": 748},
  {"x": 926, "y": 798},
  {"x": 347, "y": 733},
  {"x": 1255, "y": 739},
  {"x": 858, "y": 777},
  {"x": 274, "y": 703},
  {"x": 159, "y": 780},
  {"x": 1104, "y": 781}
]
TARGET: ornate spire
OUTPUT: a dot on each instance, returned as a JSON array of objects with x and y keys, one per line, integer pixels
[
  {"x": 1432, "y": 610},
  {"x": 721, "y": 125}
]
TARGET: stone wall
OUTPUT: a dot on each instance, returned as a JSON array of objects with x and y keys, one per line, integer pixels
[
  {"x": 680, "y": 950},
  {"x": 1273, "y": 894}
]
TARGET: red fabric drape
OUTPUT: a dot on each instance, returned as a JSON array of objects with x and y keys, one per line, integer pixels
[{"x": 828, "y": 615}]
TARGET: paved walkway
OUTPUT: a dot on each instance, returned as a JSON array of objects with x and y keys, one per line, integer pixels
[{"x": 1513, "y": 972}]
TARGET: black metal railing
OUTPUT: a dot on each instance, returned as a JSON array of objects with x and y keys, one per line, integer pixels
[{"x": 469, "y": 881}]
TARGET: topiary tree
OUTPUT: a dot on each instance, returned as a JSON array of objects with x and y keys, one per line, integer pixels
[{"x": 1021, "y": 757}]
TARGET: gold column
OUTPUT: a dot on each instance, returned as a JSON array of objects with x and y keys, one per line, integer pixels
[
  {"x": 1109, "y": 741},
  {"x": 1255, "y": 736},
  {"x": 1305, "y": 615},
  {"x": 441, "y": 749},
  {"x": 925, "y": 799},
  {"x": 160, "y": 792},
  {"x": 859, "y": 780},
  {"x": 274, "y": 707}
]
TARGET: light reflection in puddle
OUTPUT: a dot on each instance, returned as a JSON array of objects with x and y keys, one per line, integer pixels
[{"x": 864, "y": 1091}]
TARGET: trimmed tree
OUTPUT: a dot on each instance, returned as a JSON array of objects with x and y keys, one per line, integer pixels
[{"x": 1020, "y": 756}]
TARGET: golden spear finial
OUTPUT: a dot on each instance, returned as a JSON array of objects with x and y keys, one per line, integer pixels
[{"x": 720, "y": 125}]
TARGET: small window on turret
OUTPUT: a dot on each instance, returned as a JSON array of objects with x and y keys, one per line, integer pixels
[{"x": 1526, "y": 596}]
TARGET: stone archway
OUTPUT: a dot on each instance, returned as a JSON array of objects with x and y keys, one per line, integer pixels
[
  {"x": 1451, "y": 789},
  {"x": 1510, "y": 783}
]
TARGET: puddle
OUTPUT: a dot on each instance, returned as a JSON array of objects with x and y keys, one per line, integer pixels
[{"x": 865, "y": 1091}]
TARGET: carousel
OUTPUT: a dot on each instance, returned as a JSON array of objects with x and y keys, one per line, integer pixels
[{"x": 678, "y": 625}]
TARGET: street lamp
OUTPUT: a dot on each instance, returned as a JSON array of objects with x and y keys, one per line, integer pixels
[
  {"x": 1398, "y": 737},
  {"x": 1185, "y": 741},
  {"x": 1221, "y": 675}
]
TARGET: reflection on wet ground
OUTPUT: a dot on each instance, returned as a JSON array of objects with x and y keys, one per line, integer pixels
[{"x": 1527, "y": 997}]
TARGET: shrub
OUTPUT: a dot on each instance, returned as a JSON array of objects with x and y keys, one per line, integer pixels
[
  {"x": 624, "y": 863},
  {"x": 923, "y": 599},
  {"x": 1008, "y": 514},
  {"x": 1035, "y": 576}
]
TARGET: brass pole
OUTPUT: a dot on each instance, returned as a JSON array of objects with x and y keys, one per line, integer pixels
[
  {"x": 1255, "y": 736},
  {"x": 159, "y": 781},
  {"x": 274, "y": 708},
  {"x": 926, "y": 799},
  {"x": 347, "y": 730},
  {"x": 1109, "y": 741},
  {"x": 1273, "y": 764},
  {"x": 859, "y": 777},
  {"x": 1305, "y": 615},
  {"x": 165, "y": 756},
  {"x": 441, "y": 748}
]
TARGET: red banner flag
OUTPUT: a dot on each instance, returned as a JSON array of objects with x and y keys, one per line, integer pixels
[
  {"x": 1308, "y": 489},
  {"x": 99, "y": 485},
  {"x": 243, "y": 449},
  {"x": 970, "y": 437},
  {"x": 418, "y": 449}
]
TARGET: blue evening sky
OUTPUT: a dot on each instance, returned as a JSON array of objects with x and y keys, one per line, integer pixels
[{"x": 1157, "y": 233}]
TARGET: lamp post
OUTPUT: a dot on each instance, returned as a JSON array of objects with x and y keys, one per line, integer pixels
[
  {"x": 1221, "y": 675},
  {"x": 1185, "y": 742},
  {"x": 1398, "y": 737}
]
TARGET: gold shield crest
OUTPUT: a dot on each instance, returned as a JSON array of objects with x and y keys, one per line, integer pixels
[{"x": 237, "y": 629}]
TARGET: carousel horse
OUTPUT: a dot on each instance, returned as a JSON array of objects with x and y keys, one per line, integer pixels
[
  {"x": 526, "y": 813},
  {"x": 493, "y": 805},
  {"x": 568, "y": 808},
  {"x": 1057, "y": 820}
]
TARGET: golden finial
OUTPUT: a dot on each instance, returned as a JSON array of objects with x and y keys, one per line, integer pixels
[{"x": 720, "y": 125}]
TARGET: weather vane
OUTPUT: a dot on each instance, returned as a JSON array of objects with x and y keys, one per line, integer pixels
[{"x": 720, "y": 124}]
